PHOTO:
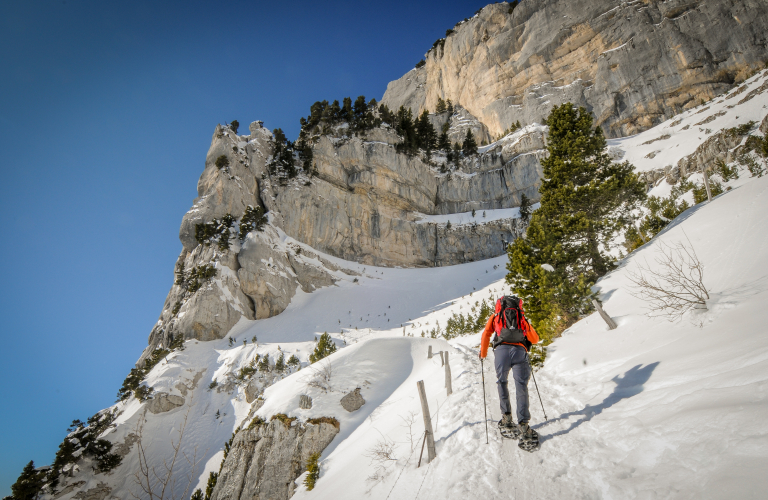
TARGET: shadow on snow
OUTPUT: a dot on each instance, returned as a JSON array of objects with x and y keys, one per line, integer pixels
[{"x": 631, "y": 384}]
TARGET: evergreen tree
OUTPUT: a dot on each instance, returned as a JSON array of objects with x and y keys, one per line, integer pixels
[
  {"x": 441, "y": 107},
  {"x": 280, "y": 363},
  {"x": 427, "y": 137},
  {"x": 585, "y": 200},
  {"x": 444, "y": 143},
  {"x": 469, "y": 147},
  {"x": 449, "y": 106},
  {"x": 212, "y": 478},
  {"x": 525, "y": 208},
  {"x": 197, "y": 495},
  {"x": 325, "y": 347},
  {"x": 347, "y": 114},
  {"x": 456, "y": 153},
  {"x": 234, "y": 125},
  {"x": 29, "y": 483}
]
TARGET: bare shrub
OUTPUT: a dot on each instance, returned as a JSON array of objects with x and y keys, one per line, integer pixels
[
  {"x": 381, "y": 454},
  {"x": 322, "y": 373},
  {"x": 408, "y": 422},
  {"x": 676, "y": 287},
  {"x": 157, "y": 481}
]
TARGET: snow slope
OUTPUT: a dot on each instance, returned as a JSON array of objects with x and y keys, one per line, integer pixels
[{"x": 652, "y": 409}]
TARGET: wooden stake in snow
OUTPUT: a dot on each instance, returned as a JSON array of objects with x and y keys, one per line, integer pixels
[
  {"x": 429, "y": 353},
  {"x": 448, "y": 386},
  {"x": 427, "y": 422},
  {"x": 611, "y": 324},
  {"x": 706, "y": 184},
  {"x": 442, "y": 360}
]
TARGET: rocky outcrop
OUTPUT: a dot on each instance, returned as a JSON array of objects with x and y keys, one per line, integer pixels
[
  {"x": 305, "y": 402},
  {"x": 721, "y": 146},
  {"x": 632, "y": 64},
  {"x": 163, "y": 402},
  {"x": 264, "y": 461}
]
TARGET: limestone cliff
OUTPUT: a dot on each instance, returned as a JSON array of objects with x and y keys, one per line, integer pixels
[
  {"x": 633, "y": 64},
  {"x": 264, "y": 461},
  {"x": 365, "y": 202}
]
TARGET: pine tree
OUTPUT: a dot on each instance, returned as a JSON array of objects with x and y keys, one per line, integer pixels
[
  {"x": 441, "y": 107},
  {"x": 280, "y": 363},
  {"x": 469, "y": 147},
  {"x": 212, "y": 478},
  {"x": 585, "y": 200},
  {"x": 29, "y": 483},
  {"x": 325, "y": 347},
  {"x": 444, "y": 143},
  {"x": 425, "y": 132},
  {"x": 525, "y": 208},
  {"x": 449, "y": 106},
  {"x": 347, "y": 114},
  {"x": 197, "y": 495},
  {"x": 234, "y": 125},
  {"x": 456, "y": 153}
]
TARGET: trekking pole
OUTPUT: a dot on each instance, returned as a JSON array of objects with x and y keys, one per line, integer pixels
[
  {"x": 485, "y": 406},
  {"x": 537, "y": 388}
]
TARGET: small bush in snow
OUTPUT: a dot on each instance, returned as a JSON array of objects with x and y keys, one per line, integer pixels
[
  {"x": 313, "y": 470},
  {"x": 282, "y": 417},
  {"x": 700, "y": 191}
]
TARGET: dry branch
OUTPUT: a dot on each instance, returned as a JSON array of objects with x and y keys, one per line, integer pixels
[{"x": 676, "y": 286}]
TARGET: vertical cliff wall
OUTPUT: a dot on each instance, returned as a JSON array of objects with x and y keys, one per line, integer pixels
[{"x": 633, "y": 64}]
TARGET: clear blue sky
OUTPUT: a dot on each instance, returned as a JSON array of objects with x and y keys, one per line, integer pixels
[{"x": 106, "y": 113}]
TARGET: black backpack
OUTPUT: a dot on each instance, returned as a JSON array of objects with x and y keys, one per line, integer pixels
[{"x": 509, "y": 323}]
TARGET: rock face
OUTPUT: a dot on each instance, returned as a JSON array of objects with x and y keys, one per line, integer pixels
[
  {"x": 632, "y": 64},
  {"x": 366, "y": 201},
  {"x": 264, "y": 462}
]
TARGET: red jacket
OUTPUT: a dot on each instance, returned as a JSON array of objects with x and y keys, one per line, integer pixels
[{"x": 530, "y": 333}]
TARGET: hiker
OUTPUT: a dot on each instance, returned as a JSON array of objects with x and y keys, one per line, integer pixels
[{"x": 513, "y": 336}]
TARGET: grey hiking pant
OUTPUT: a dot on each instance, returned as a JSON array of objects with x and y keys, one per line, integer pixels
[{"x": 513, "y": 357}]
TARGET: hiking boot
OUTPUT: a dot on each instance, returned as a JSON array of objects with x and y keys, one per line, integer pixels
[
  {"x": 506, "y": 421},
  {"x": 524, "y": 428}
]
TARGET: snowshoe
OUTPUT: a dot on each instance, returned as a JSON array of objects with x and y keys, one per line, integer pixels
[
  {"x": 529, "y": 440},
  {"x": 509, "y": 432}
]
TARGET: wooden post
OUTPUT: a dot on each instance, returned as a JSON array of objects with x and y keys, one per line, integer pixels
[
  {"x": 429, "y": 353},
  {"x": 442, "y": 360},
  {"x": 611, "y": 324},
  {"x": 448, "y": 386},
  {"x": 706, "y": 183},
  {"x": 427, "y": 422}
]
